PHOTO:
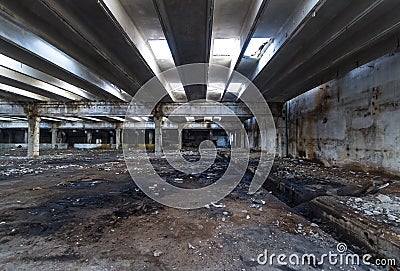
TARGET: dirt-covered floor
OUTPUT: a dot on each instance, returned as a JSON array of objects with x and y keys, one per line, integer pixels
[{"x": 80, "y": 210}]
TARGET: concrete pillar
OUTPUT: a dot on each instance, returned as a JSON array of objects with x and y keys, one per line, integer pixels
[
  {"x": 243, "y": 140},
  {"x": 280, "y": 137},
  {"x": 33, "y": 135},
  {"x": 180, "y": 135},
  {"x": 237, "y": 139},
  {"x": 158, "y": 136},
  {"x": 117, "y": 138},
  {"x": 89, "y": 137},
  {"x": 54, "y": 132},
  {"x": 26, "y": 136},
  {"x": 111, "y": 133}
]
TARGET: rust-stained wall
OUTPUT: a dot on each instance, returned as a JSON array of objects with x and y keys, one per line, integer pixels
[{"x": 354, "y": 120}]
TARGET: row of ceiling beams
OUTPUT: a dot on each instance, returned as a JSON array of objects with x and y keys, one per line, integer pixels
[{"x": 107, "y": 49}]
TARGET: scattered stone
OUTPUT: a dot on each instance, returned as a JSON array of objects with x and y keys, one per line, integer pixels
[
  {"x": 258, "y": 201},
  {"x": 383, "y": 198},
  {"x": 218, "y": 204},
  {"x": 383, "y": 186},
  {"x": 227, "y": 213},
  {"x": 157, "y": 253},
  {"x": 191, "y": 246}
]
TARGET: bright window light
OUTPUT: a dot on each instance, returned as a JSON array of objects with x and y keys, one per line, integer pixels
[
  {"x": 176, "y": 87},
  {"x": 117, "y": 118},
  {"x": 69, "y": 119},
  {"x": 92, "y": 119},
  {"x": 138, "y": 119},
  {"x": 18, "y": 118},
  {"x": 6, "y": 119},
  {"x": 216, "y": 87},
  {"x": 235, "y": 87},
  {"x": 255, "y": 47},
  {"x": 160, "y": 49},
  {"x": 224, "y": 47},
  {"x": 50, "y": 119}
]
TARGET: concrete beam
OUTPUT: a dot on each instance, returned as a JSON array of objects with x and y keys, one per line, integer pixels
[
  {"x": 26, "y": 70},
  {"x": 96, "y": 109},
  {"x": 29, "y": 82},
  {"x": 364, "y": 31},
  {"x": 35, "y": 50},
  {"x": 63, "y": 125},
  {"x": 18, "y": 92},
  {"x": 126, "y": 26},
  {"x": 188, "y": 34},
  {"x": 246, "y": 33},
  {"x": 294, "y": 24}
]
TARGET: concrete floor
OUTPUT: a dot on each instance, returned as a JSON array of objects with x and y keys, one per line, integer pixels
[{"x": 80, "y": 210}]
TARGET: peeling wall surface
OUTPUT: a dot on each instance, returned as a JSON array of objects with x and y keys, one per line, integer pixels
[{"x": 354, "y": 120}]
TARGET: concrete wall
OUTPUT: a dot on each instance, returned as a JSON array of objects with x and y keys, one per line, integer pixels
[{"x": 354, "y": 120}]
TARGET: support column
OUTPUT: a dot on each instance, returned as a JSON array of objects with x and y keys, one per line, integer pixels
[
  {"x": 158, "y": 136},
  {"x": 33, "y": 135},
  {"x": 117, "y": 138},
  {"x": 54, "y": 132},
  {"x": 280, "y": 125},
  {"x": 243, "y": 140},
  {"x": 180, "y": 131},
  {"x": 26, "y": 136},
  {"x": 89, "y": 137}
]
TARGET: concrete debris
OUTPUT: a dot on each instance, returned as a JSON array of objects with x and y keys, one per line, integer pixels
[
  {"x": 383, "y": 198},
  {"x": 227, "y": 213},
  {"x": 382, "y": 207},
  {"x": 218, "y": 204},
  {"x": 157, "y": 253},
  {"x": 258, "y": 201},
  {"x": 383, "y": 186}
]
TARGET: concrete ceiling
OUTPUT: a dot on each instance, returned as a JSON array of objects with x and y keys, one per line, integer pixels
[{"x": 100, "y": 50}]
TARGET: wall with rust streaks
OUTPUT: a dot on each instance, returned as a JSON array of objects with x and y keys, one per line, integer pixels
[{"x": 353, "y": 121}]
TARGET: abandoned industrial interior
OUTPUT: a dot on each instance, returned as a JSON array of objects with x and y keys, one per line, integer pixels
[{"x": 200, "y": 135}]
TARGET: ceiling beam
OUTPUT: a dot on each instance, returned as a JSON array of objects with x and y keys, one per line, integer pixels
[
  {"x": 17, "y": 92},
  {"x": 34, "y": 73},
  {"x": 250, "y": 24},
  {"x": 32, "y": 82},
  {"x": 187, "y": 27},
  {"x": 371, "y": 31},
  {"x": 117, "y": 109},
  {"x": 304, "y": 12},
  {"x": 121, "y": 19},
  {"x": 33, "y": 49}
]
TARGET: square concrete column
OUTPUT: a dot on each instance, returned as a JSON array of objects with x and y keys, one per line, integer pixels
[
  {"x": 117, "y": 138},
  {"x": 158, "y": 136},
  {"x": 33, "y": 136},
  {"x": 54, "y": 132},
  {"x": 89, "y": 137},
  {"x": 26, "y": 136},
  {"x": 180, "y": 131},
  {"x": 243, "y": 140}
]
